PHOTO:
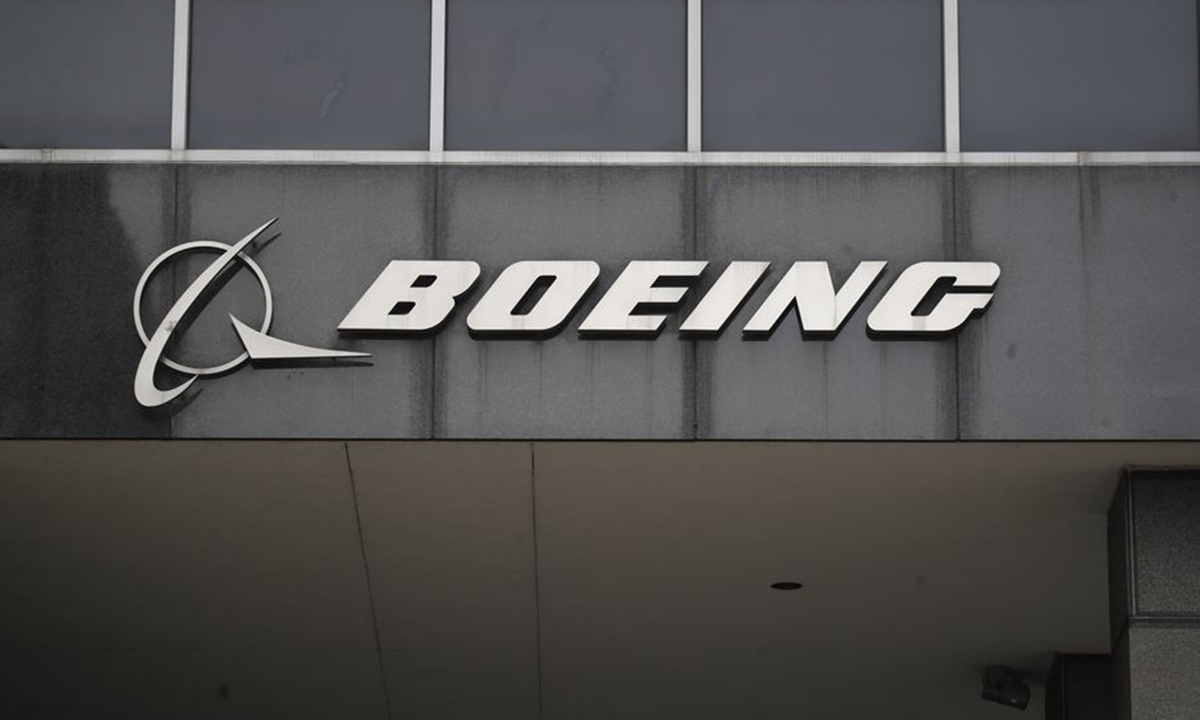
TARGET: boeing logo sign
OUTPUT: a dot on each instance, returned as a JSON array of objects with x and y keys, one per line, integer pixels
[
  {"x": 538, "y": 299},
  {"x": 259, "y": 346}
]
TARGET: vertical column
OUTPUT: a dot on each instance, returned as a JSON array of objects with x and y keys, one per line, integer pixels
[
  {"x": 1080, "y": 688},
  {"x": 950, "y": 73},
  {"x": 1154, "y": 594},
  {"x": 695, "y": 80},
  {"x": 437, "y": 76},
  {"x": 179, "y": 75}
]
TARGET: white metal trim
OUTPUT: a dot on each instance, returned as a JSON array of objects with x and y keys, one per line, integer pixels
[
  {"x": 437, "y": 75},
  {"x": 950, "y": 83},
  {"x": 420, "y": 157},
  {"x": 1140, "y": 158},
  {"x": 695, "y": 76},
  {"x": 179, "y": 74}
]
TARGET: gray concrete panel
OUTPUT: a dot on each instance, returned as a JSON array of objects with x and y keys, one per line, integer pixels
[
  {"x": 851, "y": 386},
  {"x": 74, "y": 241},
  {"x": 340, "y": 227},
  {"x": 1141, "y": 226},
  {"x": 1157, "y": 631},
  {"x": 1166, "y": 543},
  {"x": 1164, "y": 673},
  {"x": 564, "y": 387},
  {"x": 448, "y": 536},
  {"x": 1020, "y": 364},
  {"x": 1083, "y": 340}
]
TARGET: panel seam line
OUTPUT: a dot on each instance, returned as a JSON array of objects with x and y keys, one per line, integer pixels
[
  {"x": 387, "y": 701},
  {"x": 537, "y": 587}
]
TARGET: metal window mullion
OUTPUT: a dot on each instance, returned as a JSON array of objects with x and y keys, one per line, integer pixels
[
  {"x": 950, "y": 82},
  {"x": 695, "y": 84},
  {"x": 179, "y": 75},
  {"x": 437, "y": 76}
]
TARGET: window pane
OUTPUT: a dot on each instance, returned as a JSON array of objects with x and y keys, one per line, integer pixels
[
  {"x": 1079, "y": 75},
  {"x": 334, "y": 74},
  {"x": 566, "y": 75},
  {"x": 823, "y": 75},
  {"x": 82, "y": 73}
]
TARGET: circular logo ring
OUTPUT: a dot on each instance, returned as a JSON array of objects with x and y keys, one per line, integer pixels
[{"x": 187, "y": 247}]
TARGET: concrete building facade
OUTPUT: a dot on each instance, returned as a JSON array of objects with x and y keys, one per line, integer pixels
[{"x": 845, "y": 523}]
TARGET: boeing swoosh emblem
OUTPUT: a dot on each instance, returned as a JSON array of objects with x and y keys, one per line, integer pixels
[{"x": 258, "y": 345}]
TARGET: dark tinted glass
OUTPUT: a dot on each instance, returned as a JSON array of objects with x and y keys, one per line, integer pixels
[
  {"x": 1078, "y": 74},
  {"x": 334, "y": 74},
  {"x": 566, "y": 75},
  {"x": 823, "y": 75},
  {"x": 83, "y": 73}
]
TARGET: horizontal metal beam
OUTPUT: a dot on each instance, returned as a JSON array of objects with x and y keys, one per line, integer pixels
[{"x": 405, "y": 157}]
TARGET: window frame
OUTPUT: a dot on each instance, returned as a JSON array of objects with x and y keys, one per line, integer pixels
[{"x": 693, "y": 155}]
